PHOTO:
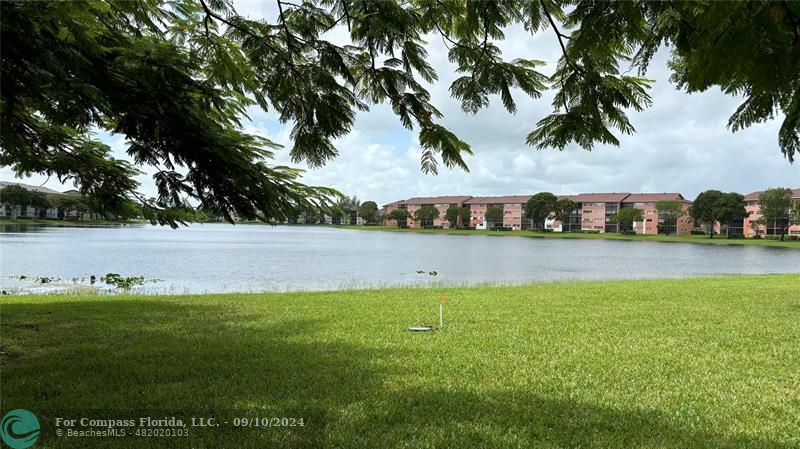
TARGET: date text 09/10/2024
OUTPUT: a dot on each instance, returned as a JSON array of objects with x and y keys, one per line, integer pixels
[{"x": 180, "y": 423}]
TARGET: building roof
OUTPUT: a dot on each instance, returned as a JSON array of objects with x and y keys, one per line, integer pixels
[
  {"x": 613, "y": 197},
  {"x": 754, "y": 195},
  {"x": 653, "y": 197},
  {"x": 594, "y": 197},
  {"x": 506, "y": 199},
  {"x": 436, "y": 199},
  {"x": 45, "y": 190}
]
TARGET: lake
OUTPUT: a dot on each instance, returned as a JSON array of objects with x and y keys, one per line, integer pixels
[{"x": 248, "y": 258}]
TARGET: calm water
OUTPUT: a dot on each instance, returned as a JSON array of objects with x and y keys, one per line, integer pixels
[{"x": 225, "y": 258}]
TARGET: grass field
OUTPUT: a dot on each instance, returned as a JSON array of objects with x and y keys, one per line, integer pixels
[
  {"x": 676, "y": 364},
  {"x": 703, "y": 239}
]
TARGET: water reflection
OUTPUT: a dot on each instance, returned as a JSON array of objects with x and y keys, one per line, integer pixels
[{"x": 13, "y": 228}]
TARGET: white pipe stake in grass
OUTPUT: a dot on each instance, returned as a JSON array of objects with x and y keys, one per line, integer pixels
[{"x": 442, "y": 299}]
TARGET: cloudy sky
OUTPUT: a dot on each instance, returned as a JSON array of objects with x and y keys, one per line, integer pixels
[{"x": 681, "y": 145}]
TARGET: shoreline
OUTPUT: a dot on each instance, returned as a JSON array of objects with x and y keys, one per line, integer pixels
[
  {"x": 695, "y": 239},
  {"x": 85, "y": 291},
  {"x": 62, "y": 223}
]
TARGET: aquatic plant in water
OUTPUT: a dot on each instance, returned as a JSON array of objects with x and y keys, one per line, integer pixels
[{"x": 122, "y": 282}]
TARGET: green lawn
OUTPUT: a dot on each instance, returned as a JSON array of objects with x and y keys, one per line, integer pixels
[
  {"x": 668, "y": 364},
  {"x": 719, "y": 240}
]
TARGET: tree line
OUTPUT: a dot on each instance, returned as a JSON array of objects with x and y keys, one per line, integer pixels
[
  {"x": 342, "y": 212},
  {"x": 778, "y": 210}
]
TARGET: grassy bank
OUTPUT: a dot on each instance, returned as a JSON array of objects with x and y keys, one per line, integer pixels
[
  {"x": 698, "y": 363},
  {"x": 703, "y": 239}
]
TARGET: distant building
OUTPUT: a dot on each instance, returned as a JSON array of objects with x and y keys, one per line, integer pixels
[
  {"x": 593, "y": 212},
  {"x": 354, "y": 219},
  {"x": 653, "y": 223},
  {"x": 16, "y": 211},
  {"x": 748, "y": 223},
  {"x": 513, "y": 210},
  {"x": 441, "y": 203},
  {"x": 52, "y": 213}
]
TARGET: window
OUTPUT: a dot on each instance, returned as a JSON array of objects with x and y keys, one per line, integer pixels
[
  {"x": 598, "y": 219},
  {"x": 587, "y": 211},
  {"x": 586, "y": 220}
]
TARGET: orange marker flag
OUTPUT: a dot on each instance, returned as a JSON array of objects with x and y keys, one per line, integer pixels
[{"x": 442, "y": 297}]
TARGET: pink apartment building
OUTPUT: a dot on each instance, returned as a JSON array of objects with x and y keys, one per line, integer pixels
[
  {"x": 652, "y": 221},
  {"x": 388, "y": 208},
  {"x": 593, "y": 212},
  {"x": 749, "y": 227},
  {"x": 513, "y": 209},
  {"x": 442, "y": 203}
]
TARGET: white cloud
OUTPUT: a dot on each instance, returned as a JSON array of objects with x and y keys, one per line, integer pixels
[{"x": 524, "y": 164}]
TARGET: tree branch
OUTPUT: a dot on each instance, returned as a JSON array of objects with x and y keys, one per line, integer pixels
[
  {"x": 205, "y": 24},
  {"x": 289, "y": 37},
  {"x": 291, "y": 4},
  {"x": 559, "y": 35},
  {"x": 444, "y": 35},
  {"x": 484, "y": 45},
  {"x": 369, "y": 39},
  {"x": 346, "y": 13},
  {"x": 210, "y": 13},
  {"x": 336, "y": 23}
]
